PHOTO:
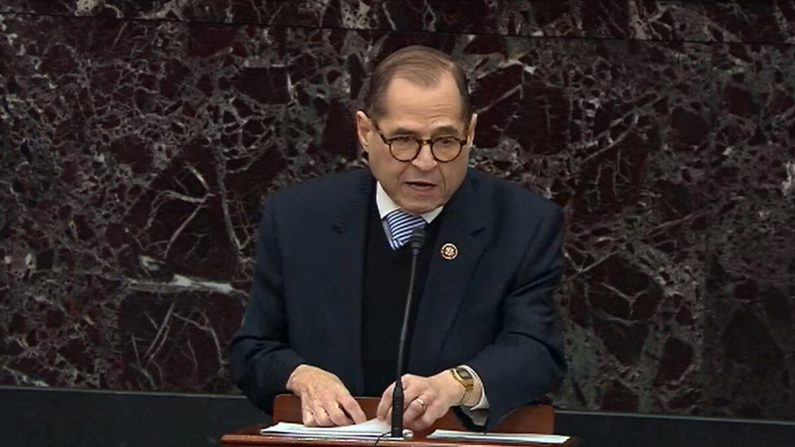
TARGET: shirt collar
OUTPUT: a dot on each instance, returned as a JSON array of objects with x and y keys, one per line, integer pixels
[{"x": 386, "y": 205}]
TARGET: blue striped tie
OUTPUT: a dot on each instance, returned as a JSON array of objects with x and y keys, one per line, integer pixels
[{"x": 401, "y": 224}]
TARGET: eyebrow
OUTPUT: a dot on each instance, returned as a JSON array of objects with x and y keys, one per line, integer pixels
[{"x": 438, "y": 131}]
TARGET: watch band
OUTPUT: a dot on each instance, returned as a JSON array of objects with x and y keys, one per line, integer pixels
[{"x": 464, "y": 377}]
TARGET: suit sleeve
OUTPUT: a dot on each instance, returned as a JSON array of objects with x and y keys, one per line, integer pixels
[
  {"x": 526, "y": 359},
  {"x": 261, "y": 360}
]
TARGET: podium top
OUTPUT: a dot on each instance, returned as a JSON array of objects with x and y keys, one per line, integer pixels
[
  {"x": 287, "y": 408},
  {"x": 251, "y": 438}
]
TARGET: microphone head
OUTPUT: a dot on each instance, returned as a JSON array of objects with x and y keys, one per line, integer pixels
[{"x": 417, "y": 239}]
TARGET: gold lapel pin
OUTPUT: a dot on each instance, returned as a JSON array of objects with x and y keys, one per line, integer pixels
[{"x": 449, "y": 251}]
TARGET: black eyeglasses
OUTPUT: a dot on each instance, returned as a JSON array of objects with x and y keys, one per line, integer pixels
[{"x": 406, "y": 148}]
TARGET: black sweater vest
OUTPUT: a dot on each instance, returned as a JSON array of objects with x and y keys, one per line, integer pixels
[{"x": 386, "y": 280}]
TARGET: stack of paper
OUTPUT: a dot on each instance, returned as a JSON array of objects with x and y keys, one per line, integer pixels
[
  {"x": 371, "y": 429},
  {"x": 455, "y": 435}
]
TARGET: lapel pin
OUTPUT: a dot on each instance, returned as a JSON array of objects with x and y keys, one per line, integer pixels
[{"x": 449, "y": 251}]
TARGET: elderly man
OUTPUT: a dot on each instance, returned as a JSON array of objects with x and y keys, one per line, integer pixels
[{"x": 332, "y": 270}]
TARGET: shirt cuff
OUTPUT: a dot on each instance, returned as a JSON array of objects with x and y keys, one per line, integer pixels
[
  {"x": 483, "y": 402},
  {"x": 478, "y": 413}
]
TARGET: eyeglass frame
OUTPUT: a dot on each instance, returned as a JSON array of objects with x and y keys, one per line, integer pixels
[{"x": 422, "y": 142}]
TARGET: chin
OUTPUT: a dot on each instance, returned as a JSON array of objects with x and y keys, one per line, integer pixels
[
  {"x": 417, "y": 208},
  {"x": 419, "y": 205}
]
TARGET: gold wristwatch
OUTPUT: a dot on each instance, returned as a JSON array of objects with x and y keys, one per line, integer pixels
[{"x": 464, "y": 377}]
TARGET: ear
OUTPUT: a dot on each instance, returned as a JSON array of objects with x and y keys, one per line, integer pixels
[
  {"x": 363, "y": 128},
  {"x": 471, "y": 132}
]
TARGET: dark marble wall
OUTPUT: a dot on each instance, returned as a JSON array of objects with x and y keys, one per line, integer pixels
[{"x": 138, "y": 139}]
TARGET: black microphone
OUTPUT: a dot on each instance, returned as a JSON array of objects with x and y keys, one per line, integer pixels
[{"x": 416, "y": 241}]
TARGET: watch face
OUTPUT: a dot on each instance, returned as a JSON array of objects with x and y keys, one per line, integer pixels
[{"x": 464, "y": 373}]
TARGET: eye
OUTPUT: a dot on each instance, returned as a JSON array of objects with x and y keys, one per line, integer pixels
[
  {"x": 446, "y": 141},
  {"x": 402, "y": 139}
]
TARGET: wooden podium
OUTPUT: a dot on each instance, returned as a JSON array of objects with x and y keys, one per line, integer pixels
[{"x": 287, "y": 408}]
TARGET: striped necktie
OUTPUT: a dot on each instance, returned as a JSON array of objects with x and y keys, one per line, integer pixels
[{"x": 401, "y": 224}]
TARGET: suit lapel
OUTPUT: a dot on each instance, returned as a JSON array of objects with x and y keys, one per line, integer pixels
[
  {"x": 350, "y": 226},
  {"x": 462, "y": 224}
]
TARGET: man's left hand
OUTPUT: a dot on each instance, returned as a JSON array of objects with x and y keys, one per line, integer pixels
[{"x": 426, "y": 399}]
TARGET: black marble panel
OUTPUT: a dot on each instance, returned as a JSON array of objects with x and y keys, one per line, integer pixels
[
  {"x": 139, "y": 155},
  {"x": 768, "y": 21},
  {"x": 749, "y": 347},
  {"x": 771, "y": 21},
  {"x": 638, "y": 136}
]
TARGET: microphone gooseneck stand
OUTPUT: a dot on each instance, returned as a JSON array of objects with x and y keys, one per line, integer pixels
[{"x": 416, "y": 241}]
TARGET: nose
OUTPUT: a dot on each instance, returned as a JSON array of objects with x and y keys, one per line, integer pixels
[{"x": 424, "y": 160}]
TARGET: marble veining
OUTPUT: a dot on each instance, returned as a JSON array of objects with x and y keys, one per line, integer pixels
[
  {"x": 139, "y": 139},
  {"x": 770, "y": 21}
]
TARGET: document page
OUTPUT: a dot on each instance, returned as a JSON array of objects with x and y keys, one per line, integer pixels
[{"x": 456, "y": 435}]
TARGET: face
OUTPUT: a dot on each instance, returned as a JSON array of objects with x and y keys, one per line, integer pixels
[{"x": 423, "y": 184}]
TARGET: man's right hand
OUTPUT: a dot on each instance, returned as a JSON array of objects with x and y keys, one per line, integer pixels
[{"x": 325, "y": 401}]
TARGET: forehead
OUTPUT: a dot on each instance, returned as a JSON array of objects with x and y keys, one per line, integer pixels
[{"x": 410, "y": 105}]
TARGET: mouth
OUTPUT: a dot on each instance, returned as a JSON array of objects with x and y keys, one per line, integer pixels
[{"x": 421, "y": 185}]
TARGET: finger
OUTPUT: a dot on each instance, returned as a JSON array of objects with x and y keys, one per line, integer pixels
[
  {"x": 410, "y": 382},
  {"x": 422, "y": 422},
  {"x": 337, "y": 416},
  {"x": 412, "y": 394},
  {"x": 429, "y": 417},
  {"x": 417, "y": 397},
  {"x": 309, "y": 419},
  {"x": 426, "y": 420},
  {"x": 353, "y": 409},
  {"x": 419, "y": 424},
  {"x": 412, "y": 412},
  {"x": 321, "y": 417},
  {"x": 385, "y": 405},
  {"x": 306, "y": 413}
]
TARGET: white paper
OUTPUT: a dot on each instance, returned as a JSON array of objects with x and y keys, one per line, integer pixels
[
  {"x": 500, "y": 437},
  {"x": 371, "y": 429}
]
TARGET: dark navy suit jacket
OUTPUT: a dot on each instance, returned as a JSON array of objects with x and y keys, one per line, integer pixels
[{"x": 490, "y": 308}]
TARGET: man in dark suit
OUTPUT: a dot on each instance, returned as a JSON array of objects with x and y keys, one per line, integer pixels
[{"x": 332, "y": 270}]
